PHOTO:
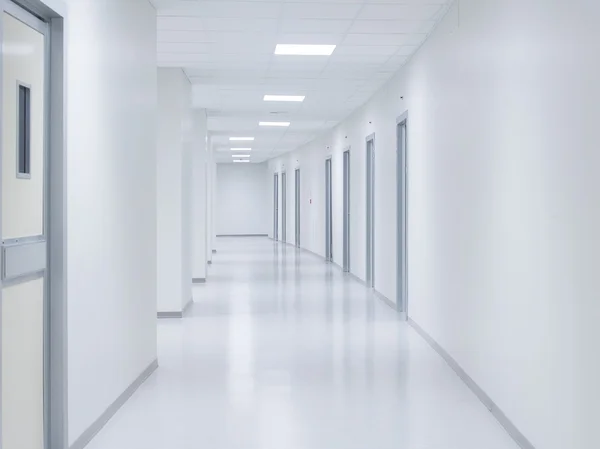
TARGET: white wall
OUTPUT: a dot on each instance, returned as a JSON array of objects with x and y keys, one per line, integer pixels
[
  {"x": 503, "y": 103},
  {"x": 174, "y": 181},
  {"x": 241, "y": 199},
  {"x": 111, "y": 218}
]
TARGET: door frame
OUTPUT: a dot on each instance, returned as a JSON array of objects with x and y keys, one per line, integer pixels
[
  {"x": 51, "y": 13},
  {"x": 276, "y": 206},
  {"x": 346, "y": 211},
  {"x": 283, "y": 206},
  {"x": 402, "y": 215},
  {"x": 370, "y": 209},
  {"x": 329, "y": 209},
  {"x": 297, "y": 197}
]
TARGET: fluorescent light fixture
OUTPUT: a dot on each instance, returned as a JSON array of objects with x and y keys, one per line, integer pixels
[
  {"x": 241, "y": 149},
  {"x": 304, "y": 50},
  {"x": 296, "y": 98},
  {"x": 241, "y": 139},
  {"x": 241, "y": 160},
  {"x": 274, "y": 124},
  {"x": 240, "y": 155}
]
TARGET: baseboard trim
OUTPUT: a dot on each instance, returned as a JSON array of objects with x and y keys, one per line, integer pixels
[
  {"x": 385, "y": 300},
  {"x": 164, "y": 315},
  {"x": 348, "y": 273},
  {"x": 378, "y": 295},
  {"x": 88, "y": 435},
  {"x": 312, "y": 253},
  {"x": 512, "y": 430},
  {"x": 356, "y": 278},
  {"x": 187, "y": 307},
  {"x": 242, "y": 235},
  {"x": 198, "y": 280}
]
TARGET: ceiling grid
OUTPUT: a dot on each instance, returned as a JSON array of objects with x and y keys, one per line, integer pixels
[{"x": 226, "y": 48}]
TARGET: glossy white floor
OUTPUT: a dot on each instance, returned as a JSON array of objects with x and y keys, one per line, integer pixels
[{"x": 282, "y": 351}]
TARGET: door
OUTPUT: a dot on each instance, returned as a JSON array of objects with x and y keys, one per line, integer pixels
[
  {"x": 297, "y": 206},
  {"x": 402, "y": 274},
  {"x": 276, "y": 207},
  {"x": 370, "y": 213},
  {"x": 328, "y": 213},
  {"x": 283, "y": 207},
  {"x": 23, "y": 229},
  {"x": 347, "y": 211}
]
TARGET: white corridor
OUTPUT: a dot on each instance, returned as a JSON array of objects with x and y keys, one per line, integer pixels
[{"x": 286, "y": 352}]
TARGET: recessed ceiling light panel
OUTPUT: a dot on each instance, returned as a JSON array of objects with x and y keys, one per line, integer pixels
[
  {"x": 241, "y": 160},
  {"x": 240, "y": 155},
  {"x": 304, "y": 50},
  {"x": 284, "y": 124},
  {"x": 241, "y": 149},
  {"x": 295, "y": 98},
  {"x": 241, "y": 139}
]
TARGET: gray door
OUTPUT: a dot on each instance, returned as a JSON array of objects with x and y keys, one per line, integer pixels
[
  {"x": 297, "y": 206},
  {"x": 24, "y": 299},
  {"x": 402, "y": 275},
  {"x": 370, "y": 212},
  {"x": 283, "y": 207},
  {"x": 347, "y": 211},
  {"x": 276, "y": 207},
  {"x": 328, "y": 212}
]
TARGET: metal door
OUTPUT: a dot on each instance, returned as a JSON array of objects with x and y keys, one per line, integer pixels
[
  {"x": 283, "y": 207},
  {"x": 328, "y": 213},
  {"x": 276, "y": 207},
  {"x": 402, "y": 266},
  {"x": 370, "y": 212},
  {"x": 297, "y": 206},
  {"x": 23, "y": 229},
  {"x": 347, "y": 211}
]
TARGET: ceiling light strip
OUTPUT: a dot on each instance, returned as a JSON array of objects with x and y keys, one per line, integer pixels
[
  {"x": 283, "y": 124},
  {"x": 291, "y": 98}
]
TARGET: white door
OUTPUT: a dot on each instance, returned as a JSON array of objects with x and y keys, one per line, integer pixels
[
  {"x": 22, "y": 228},
  {"x": 328, "y": 212},
  {"x": 297, "y": 207},
  {"x": 401, "y": 225},
  {"x": 347, "y": 211},
  {"x": 276, "y": 207},
  {"x": 370, "y": 211},
  {"x": 283, "y": 207}
]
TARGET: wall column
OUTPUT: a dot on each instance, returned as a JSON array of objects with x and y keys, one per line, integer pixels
[{"x": 174, "y": 179}]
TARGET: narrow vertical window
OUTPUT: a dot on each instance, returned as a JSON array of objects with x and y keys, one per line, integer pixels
[{"x": 24, "y": 132}]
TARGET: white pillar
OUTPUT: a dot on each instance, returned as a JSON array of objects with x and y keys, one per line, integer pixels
[
  {"x": 210, "y": 200},
  {"x": 213, "y": 167},
  {"x": 174, "y": 178},
  {"x": 199, "y": 196}
]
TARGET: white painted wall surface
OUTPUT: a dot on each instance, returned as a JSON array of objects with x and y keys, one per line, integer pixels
[
  {"x": 241, "y": 204},
  {"x": 503, "y": 103},
  {"x": 111, "y": 218},
  {"x": 174, "y": 171}
]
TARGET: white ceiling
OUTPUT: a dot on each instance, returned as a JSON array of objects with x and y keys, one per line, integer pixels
[{"x": 227, "y": 50}]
